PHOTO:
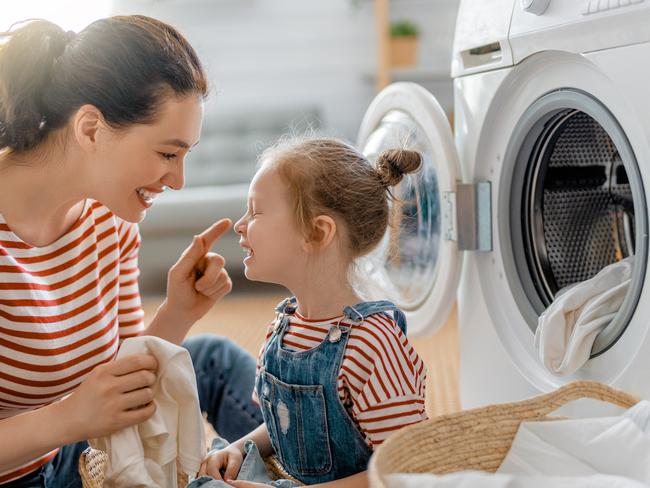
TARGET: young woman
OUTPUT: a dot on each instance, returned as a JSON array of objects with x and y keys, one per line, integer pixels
[{"x": 93, "y": 126}]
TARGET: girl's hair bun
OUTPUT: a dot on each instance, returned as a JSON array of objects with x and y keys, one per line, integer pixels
[{"x": 393, "y": 164}]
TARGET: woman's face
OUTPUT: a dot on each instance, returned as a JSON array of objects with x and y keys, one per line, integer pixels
[{"x": 134, "y": 165}]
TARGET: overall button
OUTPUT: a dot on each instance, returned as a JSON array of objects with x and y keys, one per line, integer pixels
[{"x": 335, "y": 334}]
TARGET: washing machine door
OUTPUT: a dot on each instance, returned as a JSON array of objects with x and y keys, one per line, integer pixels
[{"x": 417, "y": 265}]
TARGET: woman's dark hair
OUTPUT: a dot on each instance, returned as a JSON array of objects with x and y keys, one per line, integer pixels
[{"x": 124, "y": 65}]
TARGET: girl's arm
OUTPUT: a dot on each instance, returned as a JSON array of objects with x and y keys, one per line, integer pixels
[
  {"x": 359, "y": 480},
  {"x": 261, "y": 438}
]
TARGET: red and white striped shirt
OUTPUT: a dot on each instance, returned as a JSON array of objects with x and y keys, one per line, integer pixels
[
  {"x": 382, "y": 379},
  {"x": 63, "y": 310}
]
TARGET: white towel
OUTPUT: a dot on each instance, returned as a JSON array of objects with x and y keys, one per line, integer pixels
[
  {"x": 145, "y": 455},
  {"x": 479, "y": 479},
  {"x": 607, "y": 452},
  {"x": 614, "y": 446},
  {"x": 567, "y": 329}
]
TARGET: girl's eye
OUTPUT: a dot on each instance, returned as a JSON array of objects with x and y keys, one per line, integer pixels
[{"x": 168, "y": 156}]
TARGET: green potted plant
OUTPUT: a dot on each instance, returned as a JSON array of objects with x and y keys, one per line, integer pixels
[{"x": 403, "y": 43}]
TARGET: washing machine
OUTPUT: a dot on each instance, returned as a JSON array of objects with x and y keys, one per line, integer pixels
[{"x": 543, "y": 182}]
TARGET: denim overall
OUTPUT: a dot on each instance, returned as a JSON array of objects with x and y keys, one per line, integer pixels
[{"x": 312, "y": 433}]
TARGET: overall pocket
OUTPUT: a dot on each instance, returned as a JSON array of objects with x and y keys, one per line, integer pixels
[{"x": 299, "y": 422}]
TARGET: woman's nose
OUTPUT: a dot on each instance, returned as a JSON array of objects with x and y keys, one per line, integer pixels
[{"x": 175, "y": 178}]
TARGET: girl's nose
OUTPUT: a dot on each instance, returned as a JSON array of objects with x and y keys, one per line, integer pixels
[{"x": 239, "y": 226}]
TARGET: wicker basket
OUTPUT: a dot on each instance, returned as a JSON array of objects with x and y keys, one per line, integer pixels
[
  {"x": 92, "y": 465},
  {"x": 477, "y": 439}
]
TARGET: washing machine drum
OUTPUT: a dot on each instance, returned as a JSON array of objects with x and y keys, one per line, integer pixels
[
  {"x": 577, "y": 204},
  {"x": 580, "y": 214}
]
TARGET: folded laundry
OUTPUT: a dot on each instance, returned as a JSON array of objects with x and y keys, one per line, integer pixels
[
  {"x": 472, "y": 479},
  {"x": 615, "y": 446},
  {"x": 593, "y": 452},
  {"x": 567, "y": 329}
]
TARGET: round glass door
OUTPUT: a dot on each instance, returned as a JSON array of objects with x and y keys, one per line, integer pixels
[
  {"x": 414, "y": 266},
  {"x": 408, "y": 255}
]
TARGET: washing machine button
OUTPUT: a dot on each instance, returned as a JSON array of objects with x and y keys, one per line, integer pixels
[{"x": 537, "y": 7}]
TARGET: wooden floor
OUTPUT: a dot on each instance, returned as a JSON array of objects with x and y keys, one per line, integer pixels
[{"x": 244, "y": 316}]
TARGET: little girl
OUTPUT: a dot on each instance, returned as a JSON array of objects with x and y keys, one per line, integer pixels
[{"x": 336, "y": 375}]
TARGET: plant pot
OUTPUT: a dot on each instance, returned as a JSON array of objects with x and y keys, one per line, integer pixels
[{"x": 403, "y": 51}]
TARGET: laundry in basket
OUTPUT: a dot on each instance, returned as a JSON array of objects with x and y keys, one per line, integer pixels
[{"x": 478, "y": 439}]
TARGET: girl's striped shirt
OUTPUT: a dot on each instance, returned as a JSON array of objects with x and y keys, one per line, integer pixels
[
  {"x": 63, "y": 310},
  {"x": 382, "y": 379}
]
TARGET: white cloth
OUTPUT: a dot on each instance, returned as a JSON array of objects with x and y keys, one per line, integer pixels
[
  {"x": 479, "y": 479},
  {"x": 597, "y": 452},
  {"x": 145, "y": 455},
  {"x": 616, "y": 446},
  {"x": 567, "y": 329}
]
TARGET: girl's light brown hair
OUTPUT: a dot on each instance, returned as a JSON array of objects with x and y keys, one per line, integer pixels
[{"x": 328, "y": 176}]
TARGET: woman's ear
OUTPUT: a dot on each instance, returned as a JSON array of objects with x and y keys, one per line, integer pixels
[
  {"x": 322, "y": 233},
  {"x": 86, "y": 124}
]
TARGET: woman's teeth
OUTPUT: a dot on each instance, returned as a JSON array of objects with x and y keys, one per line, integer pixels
[{"x": 147, "y": 196}]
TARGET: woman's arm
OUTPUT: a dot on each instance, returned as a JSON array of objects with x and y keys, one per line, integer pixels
[
  {"x": 115, "y": 395},
  {"x": 30, "y": 435},
  {"x": 167, "y": 325},
  {"x": 194, "y": 284}
]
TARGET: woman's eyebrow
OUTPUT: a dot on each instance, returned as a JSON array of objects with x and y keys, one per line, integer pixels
[{"x": 178, "y": 142}]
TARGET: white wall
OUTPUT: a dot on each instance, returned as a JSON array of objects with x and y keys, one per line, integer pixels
[{"x": 296, "y": 53}]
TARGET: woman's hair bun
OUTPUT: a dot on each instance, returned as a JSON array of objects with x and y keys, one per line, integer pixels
[
  {"x": 393, "y": 164},
  {"x": 26, "y": 62}
]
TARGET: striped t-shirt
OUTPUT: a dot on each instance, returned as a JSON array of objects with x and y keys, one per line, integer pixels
[
  {"x": 382, "y": 379},
  {"x": 63, "y": 310}
]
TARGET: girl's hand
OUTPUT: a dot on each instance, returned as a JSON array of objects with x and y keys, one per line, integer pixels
[
  {"x": 229, "y": 459},
  {"x": 115, "y": 395},
  {"x": 198, "y": 279}
]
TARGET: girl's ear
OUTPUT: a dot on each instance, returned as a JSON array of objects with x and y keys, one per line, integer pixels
[
  {"x": 322, "y": 233},
  {"x": 86, "y": 124}
]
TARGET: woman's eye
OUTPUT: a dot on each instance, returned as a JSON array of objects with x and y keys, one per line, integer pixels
[{"x": 168, "y": 156}]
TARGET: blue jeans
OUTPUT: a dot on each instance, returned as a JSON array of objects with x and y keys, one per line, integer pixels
[{"x": 225, "y": 377}]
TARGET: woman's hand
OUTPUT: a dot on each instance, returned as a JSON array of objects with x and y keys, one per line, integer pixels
[
  {"x": 198, "y": 279},
  {"x": 115, "y": 395},
  {"x": 228, "y": 460}
]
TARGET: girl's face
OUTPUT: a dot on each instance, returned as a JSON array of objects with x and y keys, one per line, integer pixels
[
  {"x": 274, "y": 248},
  {"x": 133, "y": 166}
]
